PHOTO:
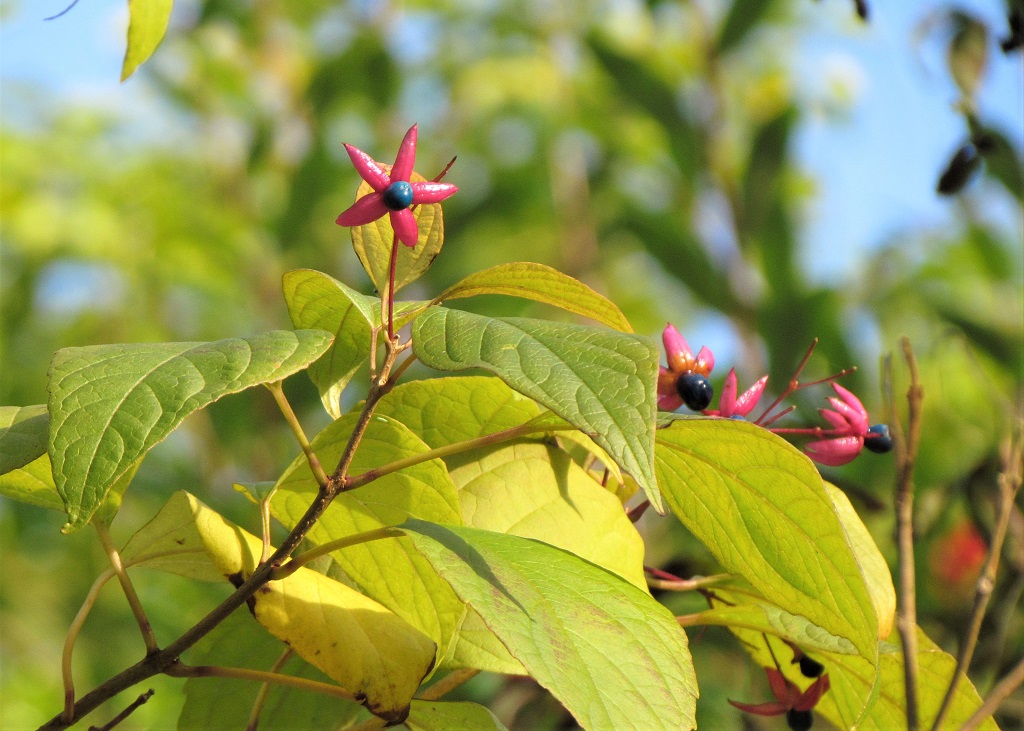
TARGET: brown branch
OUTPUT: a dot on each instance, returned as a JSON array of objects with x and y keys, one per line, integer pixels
[
  {"x": 447, "y": 684},
  {"x": 1000, "y": 693},
  {"x": 159, "y": 662},
  {"x": 1009, "y": 484},
  {"x": 141, "y": 700},
  {"x": 906, "y": 456}
]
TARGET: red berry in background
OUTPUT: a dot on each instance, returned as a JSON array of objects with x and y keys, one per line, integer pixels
[{"x": 956, "y": 558}]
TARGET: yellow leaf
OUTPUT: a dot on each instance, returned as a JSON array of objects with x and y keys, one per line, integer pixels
[{"x": 362, "y": 645}]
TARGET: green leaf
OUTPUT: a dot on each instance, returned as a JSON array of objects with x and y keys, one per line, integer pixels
[
  {"x": 542, "y": 284},
  {"x": 851, "y": 678},
  {"x": 640, "y": 87},
  {"x": 760, "y": 507},
  {"x": 739, "y": 607},
  {"x": 354, "y": 640},
  {"x": 372, "y": 243},
  {"x": 967, "y": 54},
  {"x": 451, "y": 716},
  {"x": 601, "y": 382},
  {"x": 319, "y": 302},
  {"x": 32, "y": 484},
  {"x": 391, "y": 571},
  {"x": 240, "y": 642},
  {"x": 872, "y": 563},
  {"x": 608, "y": 651},
  {"x": 743, "y": 17},
  {"x": 24, "y": 432},
  {"x": 536, "y": 491},
  {"x": 443, "y": 411},
  {"x": 146, "y": 27},
  {"x": 110, "y": 404}
]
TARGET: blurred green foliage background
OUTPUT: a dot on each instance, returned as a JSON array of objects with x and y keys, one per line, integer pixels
[{"x": 645, "y": 148}]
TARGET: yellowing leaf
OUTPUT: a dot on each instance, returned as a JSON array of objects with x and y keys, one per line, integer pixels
[
  {"x": 609, "y": 652},
  {"x": 359, "y": 643},
  {"x": 32, "y": 484},
  {"x": 146, "y": 27},
  {"x": 372, "y": 243},
  {"x": 542, "y": 284},
  {"x": 391, "y": 571},
  {"x": 24, "y": 432}
]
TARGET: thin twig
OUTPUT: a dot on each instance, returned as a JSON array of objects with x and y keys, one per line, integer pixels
[
  {"x": 180, "y": 670},
  {"x": 392, "y": 266},
  {"x": 283, "y": 572},
  {"x": 906, "y": 455},
  {"x": 698, "y": 582},
  {"x": 69, "y": 642},
  {"x": 277, "y": 389},
  {"x": 447, "y": 684},
  {"x": 64, "y": 11},
  {"x": 126, "y": 585},
  {"x": 125, "y": 713},
  {"x": 159, "y": 662},
  {"x": 261, "y": 697},
  {"x": 1009, "y": 484},
  {"x": 448, "y": 450},
  {"x": 1000, "y": 693}
]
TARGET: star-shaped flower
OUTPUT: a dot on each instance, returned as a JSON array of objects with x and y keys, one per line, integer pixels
[
  {"x": 392, "y": 192},
  {"x": 789, "y": 699},
  {"x": 685, "y": 381},
  {"x": 730, "y": 405}
]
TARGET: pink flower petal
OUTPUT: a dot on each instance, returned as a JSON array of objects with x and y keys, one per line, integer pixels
[
  {"x": 404, "y": 224},
  {"x": 676, "y": 348},
  {"x": 368, "y": 168},
  {"x": 761, "y": 709},
  {"x": 784, "y": 690},
  {"x": 705, "y": 361},
  {"x": 368, "y": 208},
  {"x": 838, "y": 421},
  {"x": 406, "y": 158},
  {"x": 857, "y": 421},
  {"x": 432, "y": 192},
  {"x": 860, "y": 420},
  {"x": 749, "y": 398},
  {"x": 834, "y": 452},
  {"x": 727, "y": 401},
  {"x": 813, "y": 694}
]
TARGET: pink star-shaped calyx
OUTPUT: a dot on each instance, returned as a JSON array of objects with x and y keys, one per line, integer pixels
[
  {"x": 729, "y": 404},
  {"x": 789, "y": 699},
  {"x": 393, "y": 193}
]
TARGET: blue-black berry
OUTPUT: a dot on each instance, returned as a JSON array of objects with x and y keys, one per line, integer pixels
[
  {"x": 878, "y": 439},
  {"x": 397, "y": 196},
  {"x": 810, "y": 668},
  {"x": 695, "y": 391},
  {"x": 799, "y": 720}
]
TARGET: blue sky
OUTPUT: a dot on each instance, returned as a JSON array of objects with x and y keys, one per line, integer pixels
[{"x": 875, "y": 166}]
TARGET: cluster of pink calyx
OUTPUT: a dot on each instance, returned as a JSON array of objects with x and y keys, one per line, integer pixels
[{"x": 685, "y": 381}]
